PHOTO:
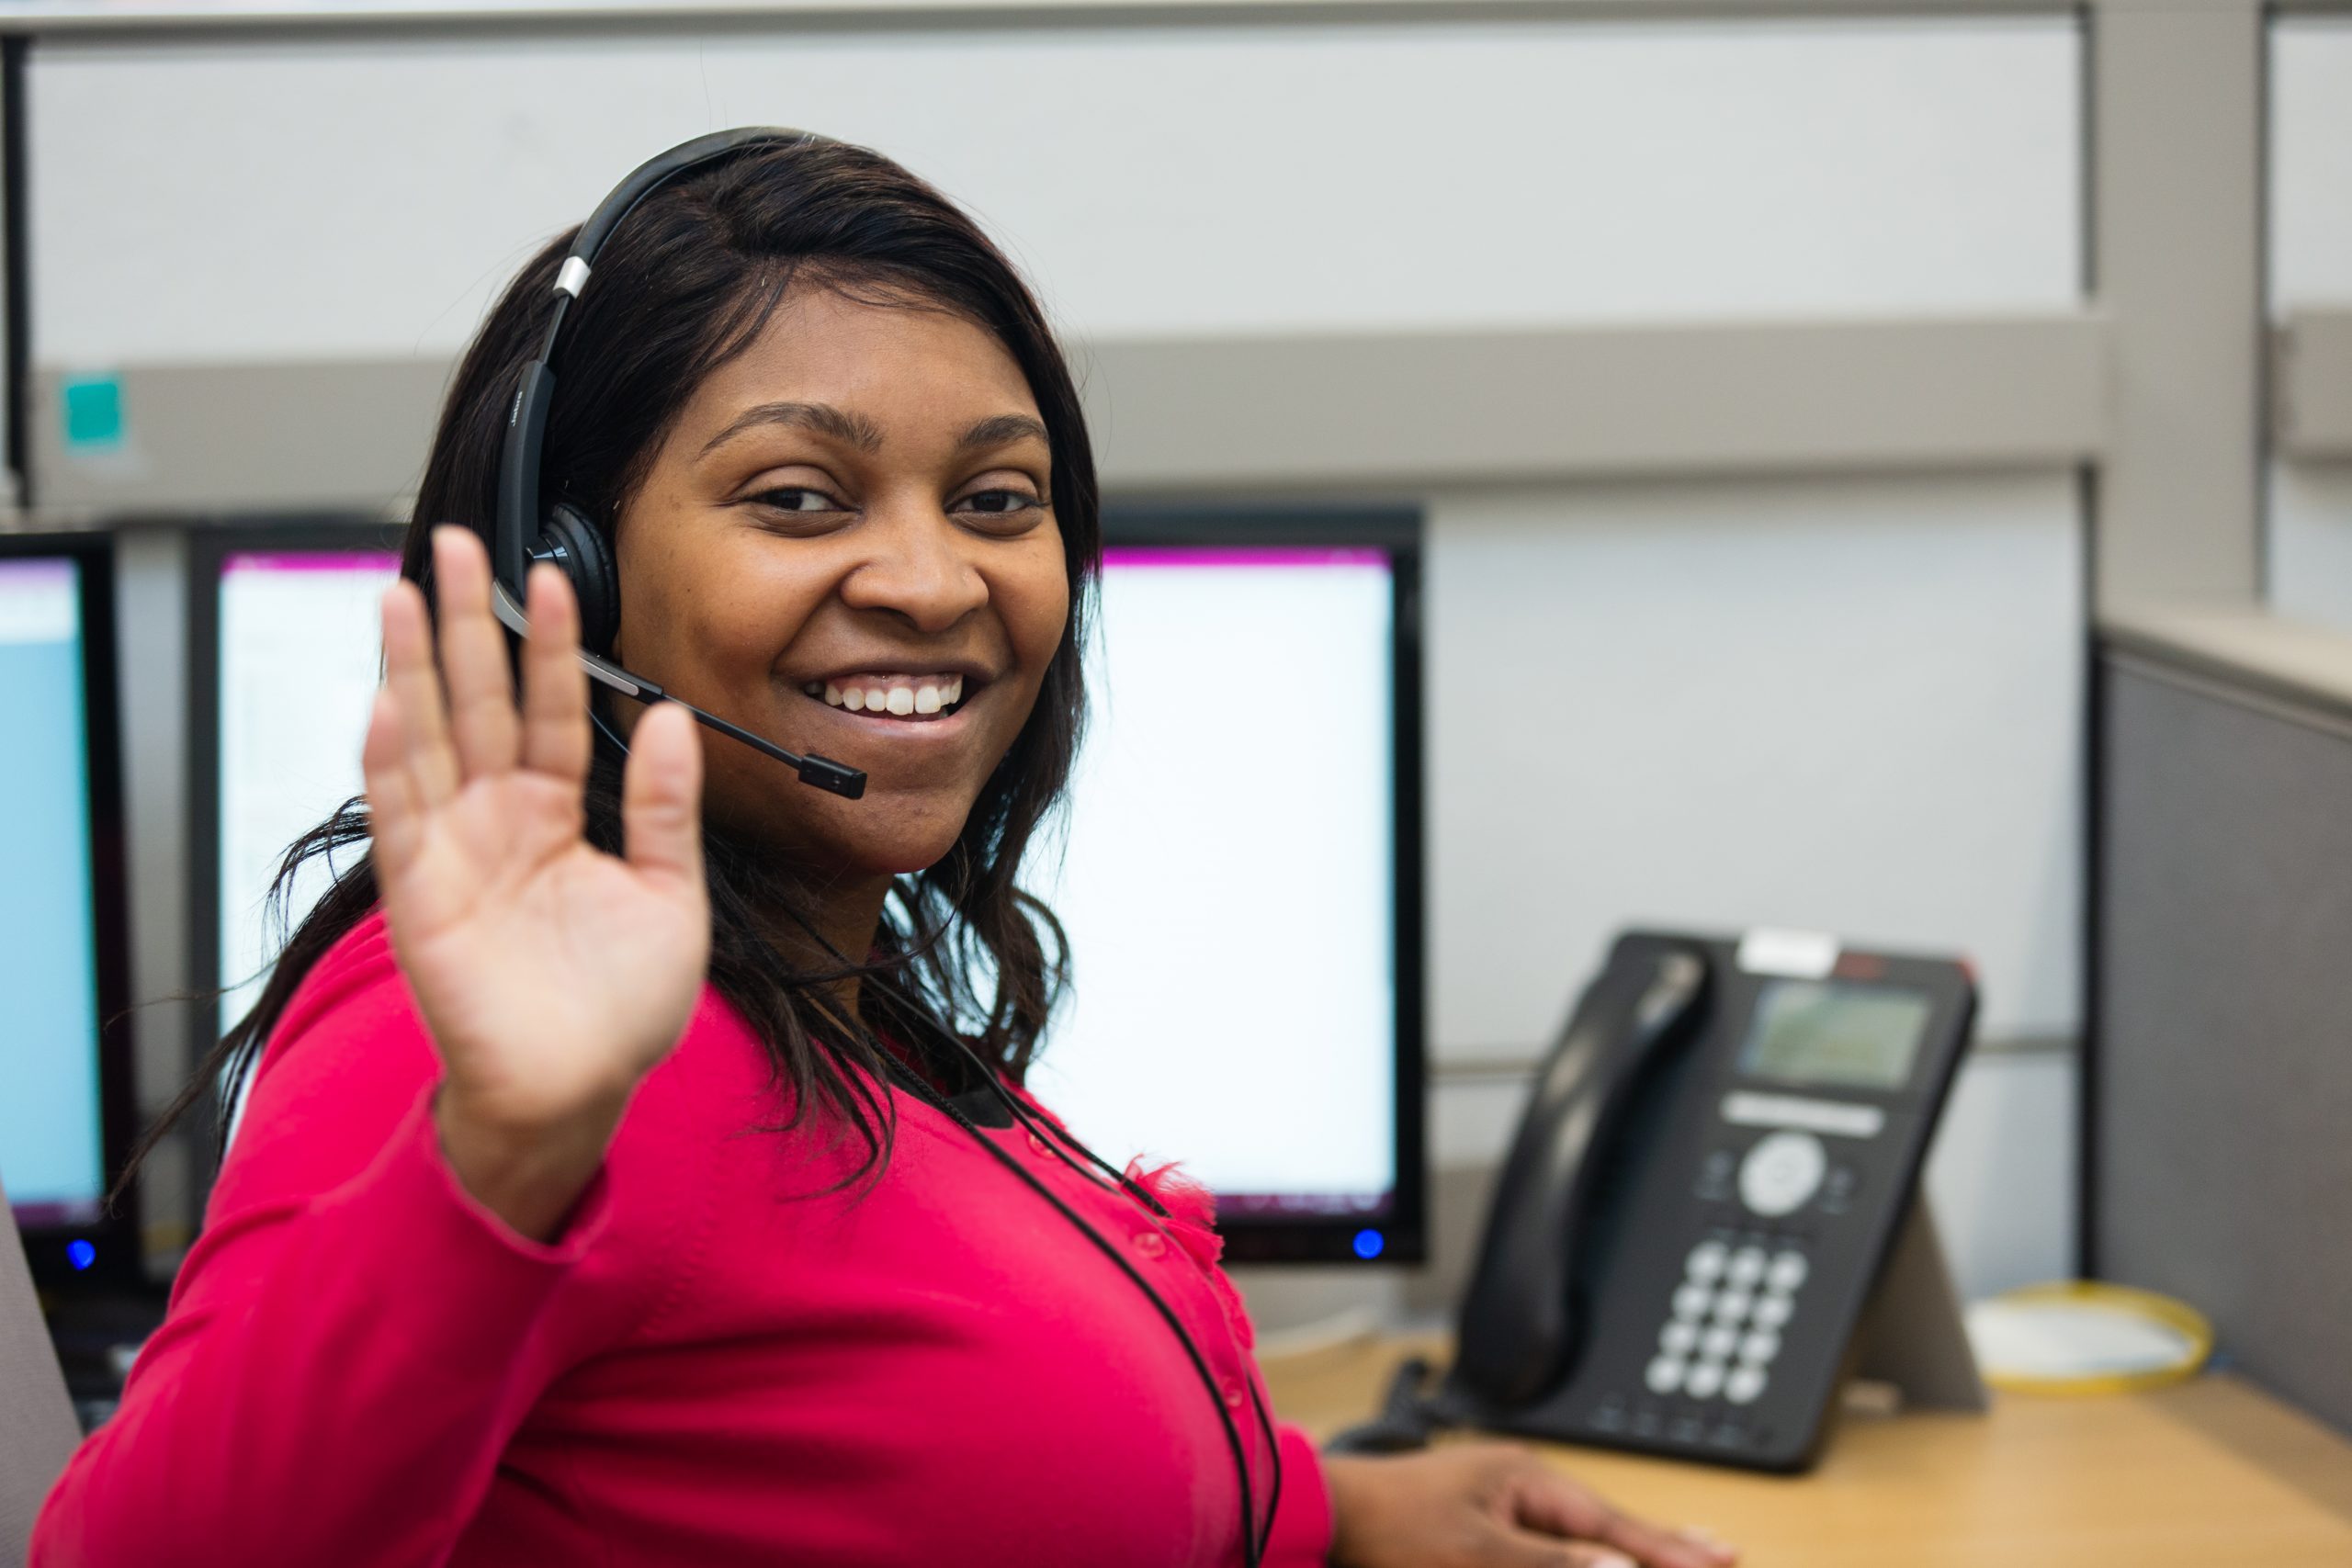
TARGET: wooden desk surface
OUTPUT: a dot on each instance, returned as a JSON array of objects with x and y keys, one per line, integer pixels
[{"x": 2210, "y": 1472}]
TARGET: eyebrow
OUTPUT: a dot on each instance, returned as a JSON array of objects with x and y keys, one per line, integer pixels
[
  {"x": 856, "y": 430},
  {"x": 1002, "y": 431}
]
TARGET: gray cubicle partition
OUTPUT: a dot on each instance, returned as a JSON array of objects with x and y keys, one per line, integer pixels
[{"x": 2221, "y": 1110}]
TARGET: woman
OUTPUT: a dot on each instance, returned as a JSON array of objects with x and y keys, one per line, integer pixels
[{"x": 634, "y": 1169}]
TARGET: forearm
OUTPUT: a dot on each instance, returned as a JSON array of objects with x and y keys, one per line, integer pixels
[{"x": 338, "y": 1379}]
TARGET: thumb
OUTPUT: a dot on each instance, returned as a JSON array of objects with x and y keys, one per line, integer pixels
[{"x": 662, "y": 797}]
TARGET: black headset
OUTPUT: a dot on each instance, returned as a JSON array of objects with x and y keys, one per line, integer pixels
[
  {"x": 565, "y": 537},
  {"x": 562, "y": 535}
]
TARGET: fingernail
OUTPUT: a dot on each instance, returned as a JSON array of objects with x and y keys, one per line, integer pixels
[{"x": 1613, "y": 1560}]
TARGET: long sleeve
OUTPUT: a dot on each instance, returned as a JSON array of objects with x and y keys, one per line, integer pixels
[
  {"x": 348, "y": 1350},
  {"x": 1302, "y": 1534}
]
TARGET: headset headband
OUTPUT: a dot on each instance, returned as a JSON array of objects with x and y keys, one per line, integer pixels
[{"x": 518, "y": 518}]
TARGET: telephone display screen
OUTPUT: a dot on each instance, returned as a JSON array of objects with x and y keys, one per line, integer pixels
[{"x": 1831, "y": 1032}]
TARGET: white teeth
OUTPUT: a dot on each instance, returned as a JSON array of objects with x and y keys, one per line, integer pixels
[{"x": 933, "y": 696}]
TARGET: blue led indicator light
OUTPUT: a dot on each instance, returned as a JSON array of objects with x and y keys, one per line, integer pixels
[
  {"x": 80, "y": 1253},
  {"x": 1369, "y": 1242}
]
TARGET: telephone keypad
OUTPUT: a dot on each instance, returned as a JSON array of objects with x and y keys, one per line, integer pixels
[{"x": 1724, "y": 1334}]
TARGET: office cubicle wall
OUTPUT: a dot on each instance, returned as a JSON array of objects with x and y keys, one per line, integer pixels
[
  {"x": 2225, "y": 1011},
  {"x": 1609, "y": 192},
  {"x": 2310, "y": 254}
]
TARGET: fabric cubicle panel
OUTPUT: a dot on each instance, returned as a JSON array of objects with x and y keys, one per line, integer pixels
[{"x": 2222, "y": 1086}]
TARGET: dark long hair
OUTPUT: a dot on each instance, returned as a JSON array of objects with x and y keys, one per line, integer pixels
[{"x": 966, "y": 966}]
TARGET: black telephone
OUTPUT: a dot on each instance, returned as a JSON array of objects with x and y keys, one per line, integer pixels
[{"x": 1720, "y": 1156}]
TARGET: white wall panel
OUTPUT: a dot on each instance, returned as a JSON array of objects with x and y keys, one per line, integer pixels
[
  {"x": 314, "y": 199},
  {"x": 1851, "y": 705},
  {"x": 2311, "y": 162},
  {"x": 2309, "y": 547}
]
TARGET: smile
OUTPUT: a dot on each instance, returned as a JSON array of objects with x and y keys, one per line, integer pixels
[{"x": 912, "y": 697}]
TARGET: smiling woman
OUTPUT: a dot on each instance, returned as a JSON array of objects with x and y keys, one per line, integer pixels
[{"x": 637, "y": 1166}]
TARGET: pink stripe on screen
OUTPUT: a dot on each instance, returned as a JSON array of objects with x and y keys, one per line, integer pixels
[
  {"x": 1224, "y": 555},
  {"x": 310, "y": 560}
]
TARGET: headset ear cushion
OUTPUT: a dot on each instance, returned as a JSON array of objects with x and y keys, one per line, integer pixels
[{"x": 573, "y": 543}]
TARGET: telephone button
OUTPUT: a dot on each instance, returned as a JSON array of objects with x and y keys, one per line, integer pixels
[
  {"x": 1706, "y": 1261},
  {"x": 1679, "y": 1337},
  {"x": 1760, "y": 1346},
  {"x": 1788, "y": 1273},
  {"x": 1704, "y": 1380},
  {"x": 1774, "y": 1311},
  {"x": 1781, "y": 1173},
  {"x": 1746, "y": 1267},
  {"x": 1745, "y": 1384},
  {"x": 1732, "y": 1305},
  {"x": 1721, "y": 1340},
  {"x": 1691, "y": 1301},
  {"x": 1665, "y": 1374}
]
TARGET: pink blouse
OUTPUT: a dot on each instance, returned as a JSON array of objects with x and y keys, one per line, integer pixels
[{"x": 363, "y": 1365}]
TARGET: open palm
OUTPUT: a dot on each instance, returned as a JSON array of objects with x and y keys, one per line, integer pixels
[{"x": 552, "y": 975}]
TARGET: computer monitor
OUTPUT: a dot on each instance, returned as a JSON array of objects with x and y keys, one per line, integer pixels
[
  {"x": 1238, "y": 868},
  {"x": 287, "y": 657},
  {"x": 1240, "y": 877},
  {"x": 65, "y": 1099}
]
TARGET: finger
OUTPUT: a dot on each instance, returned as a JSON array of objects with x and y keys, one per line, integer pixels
[
  {"x": 662, "y": 797},
  {"x": 473, "y": 656},
  {"x": 555, "y": 689},
  {"x": 393, "y": 820},
  {"x": 424, "y": 751},
  {"x": 1516, "y": 1549},
  {"x": 1550, "y": 1500}
]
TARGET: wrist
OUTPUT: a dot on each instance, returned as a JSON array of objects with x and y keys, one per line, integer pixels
[{"x": 530, "y": 1177}]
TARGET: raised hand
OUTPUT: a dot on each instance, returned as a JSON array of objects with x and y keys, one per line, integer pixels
[{"x": 552, "y": 976}]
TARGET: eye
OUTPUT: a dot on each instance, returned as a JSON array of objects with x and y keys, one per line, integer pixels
[
  {"x": 798, "y": 499},
  {"x": 1000, "y": 504}
]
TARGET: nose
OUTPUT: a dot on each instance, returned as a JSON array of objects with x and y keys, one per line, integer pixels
[{"x": 920, "y": 567}]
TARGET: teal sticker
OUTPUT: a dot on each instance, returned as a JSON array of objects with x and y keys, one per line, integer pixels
[{"x": 94, "y": 411}]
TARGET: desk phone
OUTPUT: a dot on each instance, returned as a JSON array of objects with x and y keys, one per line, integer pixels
[{"x": 1704, "y": 1190}]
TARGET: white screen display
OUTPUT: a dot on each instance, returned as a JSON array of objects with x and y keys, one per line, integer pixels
[
  {"x": 52, "y": 1159},
  {"x": 300, "y": 655},
  {"x": 1229, "y": 886},
  {"x": 1228, "y": 883}
]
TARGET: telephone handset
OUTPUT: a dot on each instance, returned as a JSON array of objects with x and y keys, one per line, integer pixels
[
  {"x": 1519, "y": 1319},
  {"x": 1713, "y": 1173}
]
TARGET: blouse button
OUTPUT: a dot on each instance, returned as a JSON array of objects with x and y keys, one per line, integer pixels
[
  {"x": 1038, "y": 1145},
  {"x": 1233, "y": 1395},
  {"x": 1151, "y": 1244}
]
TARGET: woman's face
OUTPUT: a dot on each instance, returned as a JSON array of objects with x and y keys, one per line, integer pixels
[{"x": 847, "y": 545}]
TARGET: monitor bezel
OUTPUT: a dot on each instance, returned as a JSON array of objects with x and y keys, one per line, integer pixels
[
  {"x": 1396, "y": 531},
  {"x": 208, "y": 551},
  {"x": 116, "y": 1232}
]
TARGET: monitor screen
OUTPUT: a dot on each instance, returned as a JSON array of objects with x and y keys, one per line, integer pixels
[
  {"x": 1837, "y": 1033},
  {"x": 298, "y": 656},
  {"x": 52, "y": 1145},
  {"x": 1228, "y": 882},
  {"x": 1227, "y": 870}
]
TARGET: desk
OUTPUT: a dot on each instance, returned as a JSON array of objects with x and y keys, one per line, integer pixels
[{"x": 2210, "y": 1474}]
